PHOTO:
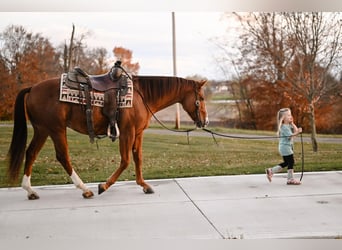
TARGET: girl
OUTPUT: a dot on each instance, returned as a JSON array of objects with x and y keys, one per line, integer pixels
[{"x": 286, "y": 131}]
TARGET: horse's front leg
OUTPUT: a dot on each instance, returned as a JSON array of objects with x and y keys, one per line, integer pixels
[
  {"x": 137, "y": 156},
  {"x": 125, "y": 146},
  {"x": 62, "y": 155},
  {"x": 79, "y": 184}
]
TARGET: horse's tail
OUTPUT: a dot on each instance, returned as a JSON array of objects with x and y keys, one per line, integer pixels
[{"x": 17, "y": 148}]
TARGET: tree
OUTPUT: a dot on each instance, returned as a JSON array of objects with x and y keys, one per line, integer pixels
[
  {"x": 93, "y": 61},
  {"x": 296, "y": 52},
  {"x": 7, "y": 92},
  {"x": 240, "y": 84},
  {"x": 317, "y": 42},
  {"x": 25, "y": 59},
  {"x": 125, "y": 56}
]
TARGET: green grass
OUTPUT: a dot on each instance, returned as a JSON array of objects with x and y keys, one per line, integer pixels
[{"x": 169, "y": 156}]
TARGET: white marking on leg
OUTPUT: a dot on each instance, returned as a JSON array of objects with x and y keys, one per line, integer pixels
[
  {"x": 26, "y": 184},
  {"x": 77, "y": 181}
]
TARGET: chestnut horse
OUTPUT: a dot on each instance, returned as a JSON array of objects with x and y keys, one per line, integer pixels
[{"x": 50, "y": 117}]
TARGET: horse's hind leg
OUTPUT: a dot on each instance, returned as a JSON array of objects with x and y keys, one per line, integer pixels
[
  {"x": 62, "y": 155},
  {"x": 37, "y": 142}
]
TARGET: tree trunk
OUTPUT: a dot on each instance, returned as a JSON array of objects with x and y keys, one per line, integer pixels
[
  {"x": 65, "y": 59},
  {"x": 237, "y": 100},
  {"x": 313, "y": 127},
  {"x": 71, "y": 47}
]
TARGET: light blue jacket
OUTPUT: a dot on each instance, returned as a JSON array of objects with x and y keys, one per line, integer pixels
[{"x": 285, "y": 140}]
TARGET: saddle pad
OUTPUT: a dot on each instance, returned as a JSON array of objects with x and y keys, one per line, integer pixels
[{"x": 97, "y": 98}]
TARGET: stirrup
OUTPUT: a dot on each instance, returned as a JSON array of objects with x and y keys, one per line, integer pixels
[{"x": 113, "y": 132}]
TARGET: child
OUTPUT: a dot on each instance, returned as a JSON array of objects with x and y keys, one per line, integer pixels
[{"x": 286, "y": 131}]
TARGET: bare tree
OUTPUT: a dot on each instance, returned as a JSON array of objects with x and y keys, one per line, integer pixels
[
  {"x": 75, "y": 53},
  {"x": 299, "y": 48},
  {"x": 15, "y": 40},
  {"x": 238, "y": 87},
  {"x": 71, "y": 48},
  {"x": 317, "y": 41}
]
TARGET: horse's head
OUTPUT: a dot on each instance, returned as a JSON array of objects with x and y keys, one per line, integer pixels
[{"x": 194, "y": 104}]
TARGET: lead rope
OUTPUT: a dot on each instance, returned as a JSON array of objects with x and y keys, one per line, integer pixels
[
  {"x": 187, "y": 131},
  {"x": 219, "y": 134},
  {"x": 301, "y": 140},
  {"x": 258, "y": 138}
]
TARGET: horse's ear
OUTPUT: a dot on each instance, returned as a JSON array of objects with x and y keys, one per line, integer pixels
[{"x": 202, "y": 83}]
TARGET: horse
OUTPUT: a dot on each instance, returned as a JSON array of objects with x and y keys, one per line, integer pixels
[{"x": 50, "y": 118}]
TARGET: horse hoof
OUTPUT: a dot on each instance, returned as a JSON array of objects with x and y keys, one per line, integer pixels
[
  {"x": 33, "y": 196},
  {"x": 88, "y": 194},
  {"x": 148, "y": 190},
  {"x": 101, "y": 188}
]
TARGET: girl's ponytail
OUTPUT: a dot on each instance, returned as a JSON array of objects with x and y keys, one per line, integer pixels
[{"x": 279, "y": 118}]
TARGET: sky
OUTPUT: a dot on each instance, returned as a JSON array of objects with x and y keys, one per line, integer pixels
[
  {"x": 145, "y": 27},
  {"x": 147, "y": 34}
]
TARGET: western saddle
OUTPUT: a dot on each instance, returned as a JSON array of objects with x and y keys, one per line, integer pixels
[{"x": 112, "y": 84}]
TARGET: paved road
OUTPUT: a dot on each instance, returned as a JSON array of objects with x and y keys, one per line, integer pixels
[{"x": 221, "y": 207}]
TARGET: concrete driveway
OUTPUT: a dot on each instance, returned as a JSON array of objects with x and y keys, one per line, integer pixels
[{"x": 222, "y": 207}]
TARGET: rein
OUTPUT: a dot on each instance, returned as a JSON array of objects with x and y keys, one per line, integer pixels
[
  {"x": 160, "y": 122},
  {"x": 301, "y": 141}
]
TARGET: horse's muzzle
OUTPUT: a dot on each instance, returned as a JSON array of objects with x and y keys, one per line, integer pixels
[{"x": 202, "y": 124}]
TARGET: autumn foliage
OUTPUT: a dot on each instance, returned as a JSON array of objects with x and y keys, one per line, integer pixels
[
  {"x": 269, "y": 97},
  {"x": 126, "y": 56},
  {"x": 27, "y": 58},
  {"x": 286, "y": 61}
]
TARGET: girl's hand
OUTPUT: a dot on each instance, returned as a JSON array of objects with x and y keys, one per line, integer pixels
[{"x": 300, "y": 130}]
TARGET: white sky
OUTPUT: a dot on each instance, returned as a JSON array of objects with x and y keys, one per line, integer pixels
[
  {"x": 147, "y": 34},
  {"x": 144, "y": 26}
]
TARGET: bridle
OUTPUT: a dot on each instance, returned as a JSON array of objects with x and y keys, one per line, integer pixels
[{"x": 198, "y": 120}]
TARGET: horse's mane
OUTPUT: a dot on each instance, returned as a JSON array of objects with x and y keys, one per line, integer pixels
[{"x": 157, "y": 86}]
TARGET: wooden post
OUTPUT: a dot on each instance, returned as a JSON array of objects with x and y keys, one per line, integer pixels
[{"x": 177, "y": 124}]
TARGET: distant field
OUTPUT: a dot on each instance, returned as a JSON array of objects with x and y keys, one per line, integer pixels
[{"x": 170, "y": 156}]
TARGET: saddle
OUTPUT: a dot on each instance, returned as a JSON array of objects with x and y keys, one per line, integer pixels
[
  {"x": 113, "y": 84},
  {"x": 114, "y": 79}
]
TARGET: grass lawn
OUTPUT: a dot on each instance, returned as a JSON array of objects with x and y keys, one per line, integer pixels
[{"x": 169, "y": 156}]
